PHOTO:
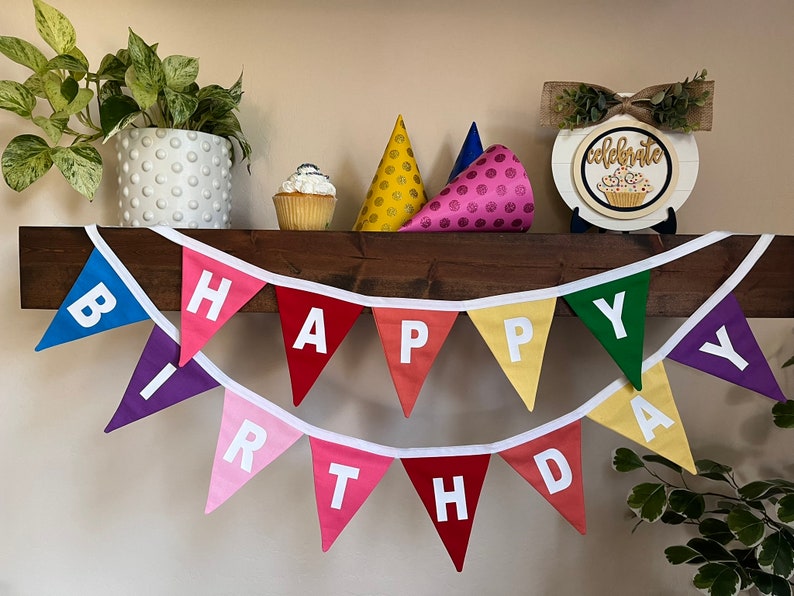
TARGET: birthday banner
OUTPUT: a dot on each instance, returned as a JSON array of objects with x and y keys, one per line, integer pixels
[{"x": 315, "y": 320}]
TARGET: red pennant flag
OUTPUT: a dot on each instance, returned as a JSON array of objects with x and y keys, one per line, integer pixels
[
  {"x": 313, "y": 326},
  {"x": 553, "y": 465},
  {"x": 212, "y": 292},
  {"x": 411, "y": 341},
  {"x": 449, "y": 488},
  {"x": 344, "y": 477}
]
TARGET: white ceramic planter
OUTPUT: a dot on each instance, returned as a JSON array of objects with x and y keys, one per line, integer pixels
[{"x": 177, "y": 178}]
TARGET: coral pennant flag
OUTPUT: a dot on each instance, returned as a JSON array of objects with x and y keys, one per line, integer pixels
[
  {"x": 449, "y": 488},
  {"x": 517, "y": 334},
  {"x": 411, "y": 341},
  {"x": 615, "y": 313},
  {"x": 250, "y": 439},
  {"x": 98, "y": 301},
  {"x": 648, "y": 417},
  {"x": 344, "y": 477},
  {"x": 212, "y": 292},
  {"x": 313, "y": 327},
  {"x": 158, "y": 383},
  {"x": 722, "y": 344},
  {"x": 553, "y": 465}
]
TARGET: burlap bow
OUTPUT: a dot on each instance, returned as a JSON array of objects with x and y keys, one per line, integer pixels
[{"x": 641, "y": 110}]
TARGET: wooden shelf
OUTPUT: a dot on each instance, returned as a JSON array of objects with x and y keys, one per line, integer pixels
[{"x": 435, "y": 266}]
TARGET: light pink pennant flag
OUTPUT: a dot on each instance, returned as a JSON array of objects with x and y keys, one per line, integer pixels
[
  {"x": 212, "y": 292},
  {"x": 250, "y": 439},
  {"x": 344, "y": 477}
]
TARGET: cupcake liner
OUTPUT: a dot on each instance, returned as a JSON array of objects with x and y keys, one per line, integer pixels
[
  {"x": 625, "y": 198},
  {"x": 296, "y": 211},
  {"x": 492, "y": 195}
]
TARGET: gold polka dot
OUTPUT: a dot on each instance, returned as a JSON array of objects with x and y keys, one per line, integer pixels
[
  {"x": 409, "y": 209},
  {"x": 359, "y": 226},
  {"x": 373, "y": 218},
  {"x": 397, "y": 195},
  {"x": 406, "y": 166},
  {"x": 379, "y": 202},
  {"x": 384, "y": 185},
  {"x": 399, "y": 139},
  {"x": 364, "y": 210},
  {"x": 389, "y": 170},
  {"x": 417, "y": 179},
  {"x": 393, "y": 154},
  {"x": 391, "y": 211},
  {"x": 410, "y": 152},
  {"x": 385, "y": 228},
  {"x": 369, "y": 193},
  {"x": 414, "y": 194},
  {"x": 401, "y": 180}
]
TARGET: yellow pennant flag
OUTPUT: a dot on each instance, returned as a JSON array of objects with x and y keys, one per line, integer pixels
[
  {"x": 648, "y": 416},
  {"x": 517, "y": 334}
]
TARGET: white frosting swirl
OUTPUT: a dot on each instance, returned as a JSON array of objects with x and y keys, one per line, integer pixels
[{"x": 308, "y": 180}]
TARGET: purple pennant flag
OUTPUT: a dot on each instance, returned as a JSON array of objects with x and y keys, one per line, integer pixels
[
  {"x": 722, "y": 344},
  {"x": 159, "y": 382}
]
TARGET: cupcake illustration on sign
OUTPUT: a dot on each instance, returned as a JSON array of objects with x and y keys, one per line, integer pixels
[
  {"x": 624, "y": 188},
  {"x": 492, "y": 195},
  {"x": 306, "y": 200}
]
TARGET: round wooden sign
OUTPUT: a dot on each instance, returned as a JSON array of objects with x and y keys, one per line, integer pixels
[{"x": 623, "y": 174}]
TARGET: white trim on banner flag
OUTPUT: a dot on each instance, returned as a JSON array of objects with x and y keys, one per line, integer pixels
[{"x": 454, "y": 450}]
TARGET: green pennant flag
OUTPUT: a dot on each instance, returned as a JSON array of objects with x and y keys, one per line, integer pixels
[{"x": 615, "y": 313}]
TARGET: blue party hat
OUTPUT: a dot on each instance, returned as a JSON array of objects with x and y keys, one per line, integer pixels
[{"x": 471, "y": 150}]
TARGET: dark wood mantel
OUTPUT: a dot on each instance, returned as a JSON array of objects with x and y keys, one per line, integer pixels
[{"x": 435, "y": 266}]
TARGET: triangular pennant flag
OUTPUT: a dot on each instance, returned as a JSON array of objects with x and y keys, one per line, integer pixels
[
  {"x": 344, "y": 477},
  {"x": 449, "y": 488},
  {"x": 615, "y": 313},
  {"x": 397, "y": 190},
  {"x": 212, "y": 292},
  {"x": 648, "y": 417},
  {"x": 517, "y": 334},
  {"x": 470, "y": 150},
  {"x": 250, "y": 439},
  {"x": 492, "y": 195},
  {"x": 553, "y": 465},
  {"x": 158, "y": 383},
  {"x": 98, "y": 301},
  {"x": 411, "y": 341},
  {"x": 722, "y": 344},
  {"x": 313, "y": 327}
]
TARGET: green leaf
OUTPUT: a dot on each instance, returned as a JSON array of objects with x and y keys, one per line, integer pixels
[
  {"x": 676, "y": 555},
  {"x": 148, "y": 67},
  {"x": 785, "y": 510},
  {"x": 180, "y": 71},
  {"x": 55, "y": 29},
  {"x": 80, "y": 102},
  {"x": 672, "y": 518},
  {"x": 81, "y": 165},
  {"x": 776, "y": 556},
  {"x": 67, "y": 62},
  {"x": 763, "y": 489},
  {"x": 687, "y": 503},
  {"x": 625, "y": 460},
  {"x": 711, "y": 549},
  {"x": 23, "y": 52},
  {"x": 746, "y": 526},
  {"x": 69, "y": 88},
  {"x": 144, "y": 95},
  {"x": 783, "y": 412},
  {"x": 53, "y": 126},
  {"x": 770, "y": 584},
  {"x": 116, "y": 113},
  {"x": 717, "y": 579},
  {"x": 658, "y": 98},
  {"x": 180, "y": 105},
  {"x": 17, "y": 98},
  {"x": 111, "y": 69},
  {"x": 648, "y": 500},
  {"x": 716, "y": 529},
  {"x": 52, "y": 88},
  {"x": 658, "y": 459},
  {"x": 713, "y": 470},
  {"x": 26, "y": 159}
]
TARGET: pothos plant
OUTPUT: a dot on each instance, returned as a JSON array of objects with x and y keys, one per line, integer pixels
[
  {"x": 75, "y": 107},
  {"x": 745, "y": 531}
]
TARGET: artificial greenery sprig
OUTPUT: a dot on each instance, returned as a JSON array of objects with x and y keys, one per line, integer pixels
[
  {"x": 585, "y": 105},
  {"x": 746, "y": 530}
]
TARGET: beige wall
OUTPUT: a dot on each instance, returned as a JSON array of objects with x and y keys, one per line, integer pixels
[{"x": 86, "y": 513}]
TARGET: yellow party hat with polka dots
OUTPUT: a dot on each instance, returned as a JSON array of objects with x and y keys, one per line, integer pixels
[{"x": 397, "y": 190}]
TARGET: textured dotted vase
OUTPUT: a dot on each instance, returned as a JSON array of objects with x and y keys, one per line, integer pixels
[{"x": 177, "y": 178}]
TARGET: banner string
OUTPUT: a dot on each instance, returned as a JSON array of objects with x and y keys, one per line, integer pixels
[{"x": 457, "y": 450}]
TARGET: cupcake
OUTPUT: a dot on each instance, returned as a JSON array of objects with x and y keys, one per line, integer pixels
[
  {"x": 624, "y": 188},
  {"x": 306, "y": 200}
]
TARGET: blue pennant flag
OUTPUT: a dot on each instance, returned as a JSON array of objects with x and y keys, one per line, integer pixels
[
  {"x": 98, "y": 301},
  {"x": 471, "y": 150}
]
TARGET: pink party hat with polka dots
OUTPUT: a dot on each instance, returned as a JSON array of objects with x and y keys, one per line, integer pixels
[{"x": 492, "y": 195}]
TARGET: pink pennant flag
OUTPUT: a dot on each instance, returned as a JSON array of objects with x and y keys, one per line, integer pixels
[
  {"x": 449, "y": 488},
  {"x": 211, "y": 293},
  {"x": 250, "y": 439},
  {"x": 313, "y": 327},
  {"x": 411, "y": 341},
  {"x": 553, "y": 465},
  {"x": 344, "y": 477},
  {"x": 722, "y": 344}
]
